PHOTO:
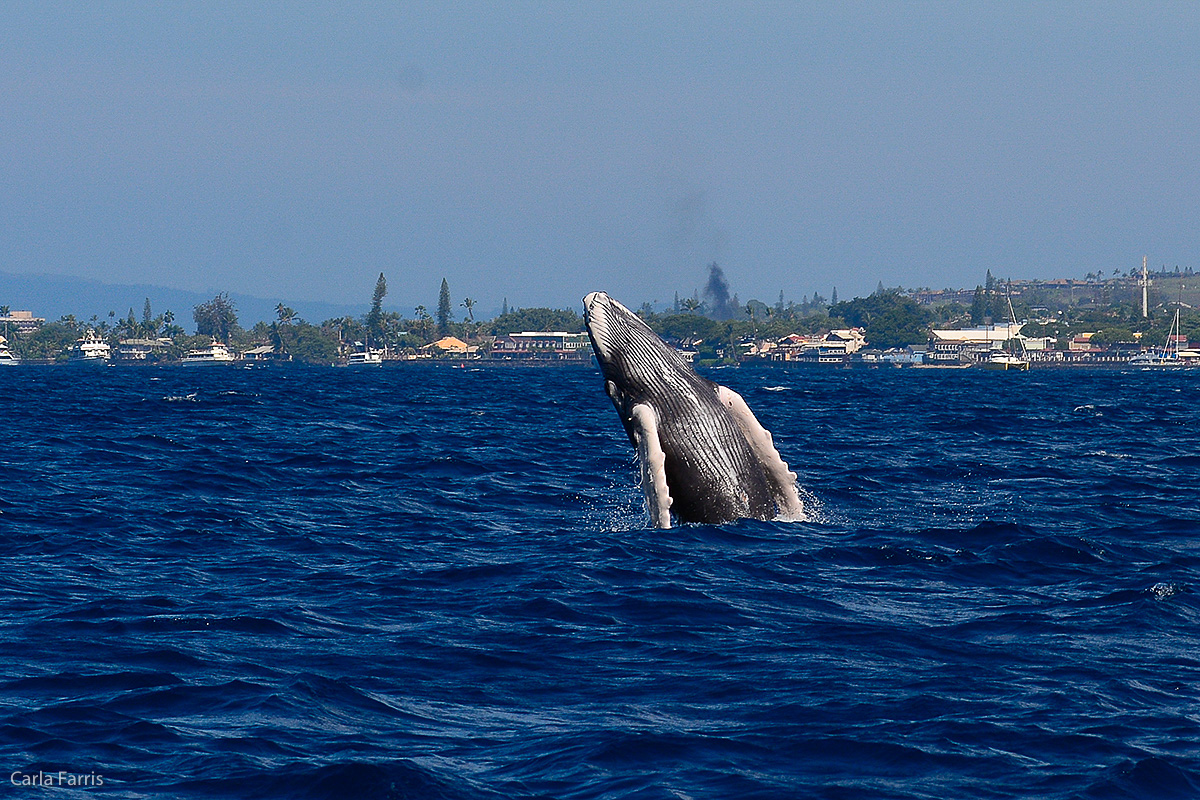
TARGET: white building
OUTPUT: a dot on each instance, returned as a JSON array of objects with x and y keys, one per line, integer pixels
[
  {"x": 964, "y": 345},
  {"x": 995, "y": 335},
  {"x": 22, "y": 322}
]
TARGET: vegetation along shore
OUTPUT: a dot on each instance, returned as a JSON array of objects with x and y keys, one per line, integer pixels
[{"x": 1099, "y": 320}]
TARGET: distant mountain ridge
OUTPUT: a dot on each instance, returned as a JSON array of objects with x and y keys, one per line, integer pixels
[{"x": 55, "y": 296}]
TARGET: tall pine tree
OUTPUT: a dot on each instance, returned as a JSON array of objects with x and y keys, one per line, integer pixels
[
  {"x": 443, "y": 310},
  {"x": 375, "y": 316}
]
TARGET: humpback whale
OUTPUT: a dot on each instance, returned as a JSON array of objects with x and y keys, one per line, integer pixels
[{"x": 703, "y": 455}]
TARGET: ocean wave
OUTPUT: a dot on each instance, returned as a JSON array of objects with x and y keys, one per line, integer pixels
[{"x": 442, "y": 583}]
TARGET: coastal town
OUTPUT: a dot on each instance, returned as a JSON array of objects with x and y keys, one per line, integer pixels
[{"x": 1122, "y": 320}]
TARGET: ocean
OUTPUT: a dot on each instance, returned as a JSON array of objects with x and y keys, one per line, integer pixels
[{"x": 437, "y": 582}]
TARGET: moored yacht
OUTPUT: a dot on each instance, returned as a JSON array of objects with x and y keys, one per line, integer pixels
[
  {"x": 1005, "y": 361},
  {"x": 215, "y": 353},
  {"x": 366, "y": 357},
  {"x": 1156, "y": 360},
  {"x": 1171, "y": 356},
  {"x": 6, "y": 356},
  {"x": 90, "y": 349}
]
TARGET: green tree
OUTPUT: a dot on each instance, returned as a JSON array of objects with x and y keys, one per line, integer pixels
[
  {"x": 443, "y": 309},
  {"x": 888, "y": 319},
  {"x": 1114, "y": 335},
  {"x": 286, "y": 315},
  {"x": 979, "y": 306},
  {"x": 688, "y": 328},
  {"x": 312, "y": 344},
  {"x": 757, "y": 311},
  {"x": 305, "y": 343},
  {"x": 345, "y": 329},
  {"x": 170, "y": 329},
  {"x": 423, "y": 324},
  {"x": 375, "y": 315},
  {"x": 537, "y": 319},
  {"x": 149, "y": 329},
  {"x": 217, "y": 318},
  {"x": 126, "y": 326},
  {"x": 50, "y": 341}
]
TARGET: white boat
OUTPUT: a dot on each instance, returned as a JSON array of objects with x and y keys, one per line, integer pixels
[
  {"x": 1167, "y": 358},
  {"x": 366, "y": 357},
  {"x": 1154, "y": 360},
  {"x": 90, "y": 349},
  {"x": 1007, "y": 361},
  {"x": 6, "y": 356},
  {"x": 215, "y": 353}
]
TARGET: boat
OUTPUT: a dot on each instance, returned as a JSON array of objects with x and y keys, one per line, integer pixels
[
  {"x": 1156, "y": 360},
  {"x": 215, "y": 353},
  {"x": 6, "y": 356},
  {"x": 90, "y": 349},
  {"x": 1168, "y": 357},
  {"x": 1007, "y": 361},
  {"x": 366, "y": 357}
]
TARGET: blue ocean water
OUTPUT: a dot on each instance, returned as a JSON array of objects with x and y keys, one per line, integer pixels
[{"x": 431, "y": 582}]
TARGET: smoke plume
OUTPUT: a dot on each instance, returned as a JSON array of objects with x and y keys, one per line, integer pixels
[{"x": 716, "y": 291}]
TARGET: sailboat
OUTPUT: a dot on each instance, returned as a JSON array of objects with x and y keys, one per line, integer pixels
[
  {"x": 1002, "y": 360},
  {"x": 1168, "y": 357}
]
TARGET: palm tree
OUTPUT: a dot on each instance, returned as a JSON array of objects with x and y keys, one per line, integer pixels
[
  {"x": 469, "y": 305},
  {"x": 286, "y": 315},
  {"x": 423, "y": 322}
]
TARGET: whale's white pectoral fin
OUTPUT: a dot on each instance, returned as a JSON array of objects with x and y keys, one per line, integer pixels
[
  {"x": 782, "y": 479},
  {"x": 653, "y": 463}
]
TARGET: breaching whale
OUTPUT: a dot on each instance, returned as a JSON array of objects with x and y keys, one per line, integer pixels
[{"x": 703, "y": 455}]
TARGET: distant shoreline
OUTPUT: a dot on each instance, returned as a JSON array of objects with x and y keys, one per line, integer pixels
[{"x": 1037, "y": 366}]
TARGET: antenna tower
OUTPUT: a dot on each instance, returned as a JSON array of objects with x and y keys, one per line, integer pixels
[{"x": 1145, "y": 286}]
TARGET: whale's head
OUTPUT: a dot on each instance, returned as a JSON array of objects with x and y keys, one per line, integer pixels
[{"x": 638, "y": 366}]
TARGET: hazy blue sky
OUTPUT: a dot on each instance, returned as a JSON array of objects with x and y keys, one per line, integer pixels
[{"x": 537, "y": 151}]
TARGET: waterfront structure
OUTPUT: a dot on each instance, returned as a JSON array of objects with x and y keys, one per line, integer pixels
[
  {"x": 21, "y": 322},
  {"x": 264, "y": 352},
  {"x": 953, "y": 347},
  {"x": 834, "y": 347},
  {"x": 995, "y": 335},
  {"x": 141, "y": 349},
  {"x": 911, "y": 356},
  {"x": 451, "y": 346},
  {"x": 547, "y": 345}
]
